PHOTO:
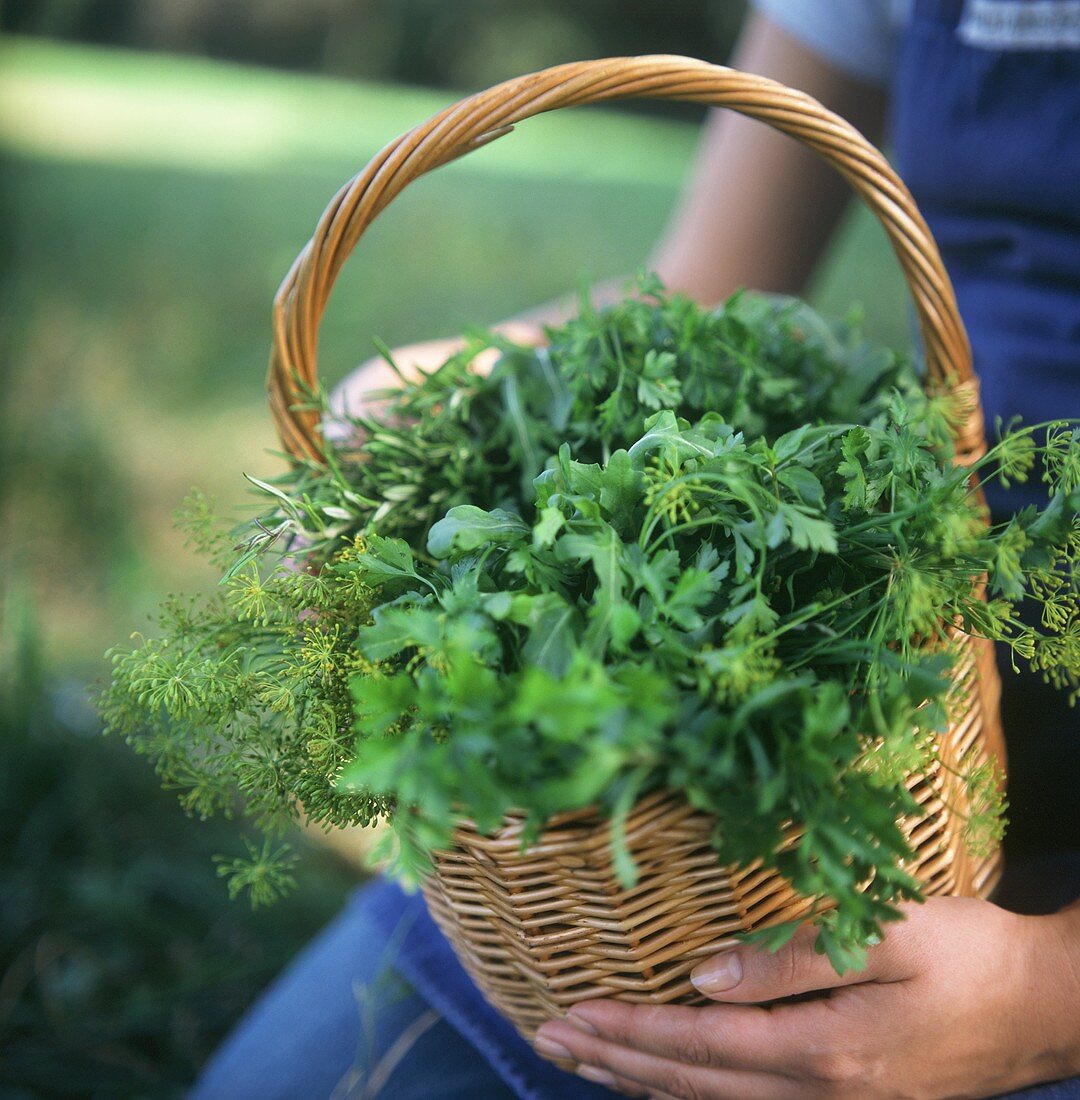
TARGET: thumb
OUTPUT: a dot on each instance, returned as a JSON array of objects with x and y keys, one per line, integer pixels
[{"x": 748, "y": 974}]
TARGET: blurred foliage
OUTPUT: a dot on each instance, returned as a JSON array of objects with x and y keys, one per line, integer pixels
[
  {"x": 441, "y": 43},
  {"x": 121, "y": 962},
  {"x": 149, "y": 207}
]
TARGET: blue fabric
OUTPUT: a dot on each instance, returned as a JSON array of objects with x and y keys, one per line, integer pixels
[
  {"x": 380, "y": 974},
  {"x": 382, "y": 970},
  {"x": 1060, "y": 1090},
  {"x": 428, "y": 962},
  {"x": 988, "y": 141},
  {"x": 327, "y": 1026}
]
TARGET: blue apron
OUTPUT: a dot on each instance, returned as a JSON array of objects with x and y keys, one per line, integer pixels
[{"x": 989, "y": 142}]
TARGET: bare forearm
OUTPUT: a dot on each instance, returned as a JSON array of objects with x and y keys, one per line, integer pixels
[
  {"x": 1058, "y": 995},
  {"x": 758, "y": 208}
]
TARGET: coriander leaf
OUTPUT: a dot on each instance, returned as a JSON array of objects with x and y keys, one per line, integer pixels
[
  {"x": 387, "y": 563},
  {"x": 658, "y": 385}
]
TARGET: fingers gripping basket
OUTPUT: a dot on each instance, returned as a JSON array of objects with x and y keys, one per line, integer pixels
[{"x": 541, "y": 929}]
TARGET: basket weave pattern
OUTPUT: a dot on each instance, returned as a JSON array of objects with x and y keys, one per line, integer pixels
[{"x": 541, "y": 929}]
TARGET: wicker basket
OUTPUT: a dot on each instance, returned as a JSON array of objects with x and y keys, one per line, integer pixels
[{"x": 542, "y": 929}]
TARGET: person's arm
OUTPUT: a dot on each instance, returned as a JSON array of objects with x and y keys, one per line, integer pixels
[
  {"x": 757, "y": 210},
  {"x": 760, "y": 207}
]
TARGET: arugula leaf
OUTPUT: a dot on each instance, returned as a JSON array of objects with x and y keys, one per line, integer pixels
[
  {"x": 620, "y": 492},
  {"x": 603, "y": 548},
  {"x": 467, "y": 527},
  {"x": 664, "y": 431}
]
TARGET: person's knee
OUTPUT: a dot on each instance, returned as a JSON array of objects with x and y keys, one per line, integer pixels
[{"x": 331, "y": 1014}]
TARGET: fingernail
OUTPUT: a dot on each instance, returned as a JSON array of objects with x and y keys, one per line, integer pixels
[
  {"x": 597, "y": 1075},
  {"x": 718, "y": 974},
  {"x": 550, "y": 1049},
  {"x": 580, "y": 1023}
]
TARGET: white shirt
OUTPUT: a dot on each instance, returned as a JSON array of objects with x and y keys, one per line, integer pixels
[{"x": 861, "y": 37}]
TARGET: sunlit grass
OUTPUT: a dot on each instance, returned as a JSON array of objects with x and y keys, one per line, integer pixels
[{"x": 108, "y": 106}]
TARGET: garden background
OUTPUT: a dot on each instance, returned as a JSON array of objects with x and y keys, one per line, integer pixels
[{"x": 161, "y": 164}]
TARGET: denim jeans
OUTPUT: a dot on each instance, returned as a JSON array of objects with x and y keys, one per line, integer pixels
[
  {"x": 353, "y": 1018},
  {"x": 342, "y": 1022}
]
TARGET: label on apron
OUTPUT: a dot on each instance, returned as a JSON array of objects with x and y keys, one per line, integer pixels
[{"x": 1021, "y": 24}]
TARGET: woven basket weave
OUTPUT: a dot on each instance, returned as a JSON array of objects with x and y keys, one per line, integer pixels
[{"x": 542, "y": 929}]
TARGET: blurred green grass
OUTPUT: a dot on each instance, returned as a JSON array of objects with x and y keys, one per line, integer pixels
[{"x": 150, "y": 207}]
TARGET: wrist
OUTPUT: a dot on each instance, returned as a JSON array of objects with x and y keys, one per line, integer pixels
[{"x": 1055, "y": 990}]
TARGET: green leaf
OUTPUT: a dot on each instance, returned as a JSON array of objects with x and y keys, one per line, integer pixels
[
  {"x": 658, "y": 385},
  {"x": 804, "y": 484},
  {"x": 625, "y": 624},
  {"x": 467, "y": 527},
  {"x": 809, "y": 532},
  {"x": 386, "y": 562},
  {"x": 498, "y": 605},
  {"x": 789, "y": 444},
  {"x": 603, "y": 548},
  {"x": 551, "y": 522},
  {"x": 626, "y": 870},
  {"x": 554, "y": 628},
  {"x": 664, "y": 431},
  {"x": 685, "y": 604},
  {"x": 855, "y": 445},
  {"x": 398, "y": 626},
  {"x": 620, "y": 492}
]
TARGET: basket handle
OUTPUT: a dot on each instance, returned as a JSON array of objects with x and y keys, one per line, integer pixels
[{"x": 473, "y": 122}]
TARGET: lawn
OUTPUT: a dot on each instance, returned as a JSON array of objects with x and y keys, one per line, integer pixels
[{"x": 150, "y": 207}]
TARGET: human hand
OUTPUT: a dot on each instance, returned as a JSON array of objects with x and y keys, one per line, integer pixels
[
  {"x": 353, "y": 396},
  {"x": 961, "y": 999}
]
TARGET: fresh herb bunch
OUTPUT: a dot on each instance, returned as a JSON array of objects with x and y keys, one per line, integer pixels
[
  {"x": 718, "y": 552},
  {"x": 765, "y": 364}
]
